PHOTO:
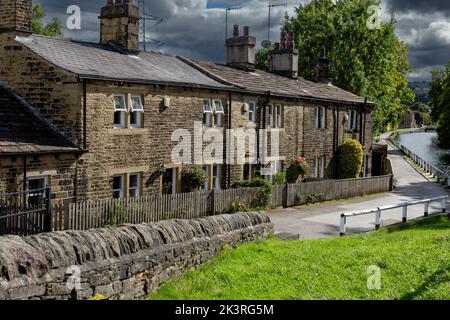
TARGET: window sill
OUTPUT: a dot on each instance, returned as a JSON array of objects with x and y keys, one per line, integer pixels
[{"x": 128, "y": 131}]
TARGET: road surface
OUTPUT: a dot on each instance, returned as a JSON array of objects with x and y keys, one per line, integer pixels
[{"x": 322, "y": 221}]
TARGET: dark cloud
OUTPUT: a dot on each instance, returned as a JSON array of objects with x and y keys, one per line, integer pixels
[
  {"x": 442, "y": 6},
  {"x": 195, "y": 28}
]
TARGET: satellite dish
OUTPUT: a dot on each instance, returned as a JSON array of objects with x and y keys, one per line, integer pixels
[{"x": 266, "y": 44}]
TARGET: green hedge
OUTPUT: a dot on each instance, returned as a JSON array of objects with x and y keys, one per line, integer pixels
[{"x": 350, "y": 155}]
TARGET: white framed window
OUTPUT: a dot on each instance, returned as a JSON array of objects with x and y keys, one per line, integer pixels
[
  {"x": 252, "y": 112},
  {"x": 218, "y": 113},
  {"x": 207, "y": 113},
  {"x": 271, "y": 117},
  {"x": 276, "y": 166},
  {"x": 36, "y": 186},
  {"x": 136, "y": 112},
  {"x": 216, "y": 177},
  {"x": 118, "y": 189},
  {"x": 319, "y": 168},
  {"x": 169, "y": 181},
  {"x": 134, "y": 188},
  {"x": 352, "y": 120},
  {"x": 279, "y": 115},
  {"x": 319, "y": 118},
  {"x": 120, "y": 111}
]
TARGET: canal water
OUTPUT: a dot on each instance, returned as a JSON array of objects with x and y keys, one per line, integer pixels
[{"x": 424, "y": 145}]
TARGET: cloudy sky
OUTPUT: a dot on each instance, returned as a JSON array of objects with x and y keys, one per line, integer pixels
[{"x": 196, "y": 28}]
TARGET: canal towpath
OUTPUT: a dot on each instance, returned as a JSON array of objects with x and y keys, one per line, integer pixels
[{"x": 323, "y": 220}]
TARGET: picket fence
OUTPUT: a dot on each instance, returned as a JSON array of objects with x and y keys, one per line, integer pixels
[{"x": 101, "y": 213}]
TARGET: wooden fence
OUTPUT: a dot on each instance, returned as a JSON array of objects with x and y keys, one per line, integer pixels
[{"x": 101, "y": 213}]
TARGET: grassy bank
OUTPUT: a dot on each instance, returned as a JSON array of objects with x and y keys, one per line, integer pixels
[{"x": 414, "y": 261}]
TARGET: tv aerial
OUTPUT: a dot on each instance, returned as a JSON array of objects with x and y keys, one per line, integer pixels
[{"x": 147, "y": 19}]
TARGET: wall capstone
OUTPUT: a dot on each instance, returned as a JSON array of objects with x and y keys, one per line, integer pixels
[{"x": 128, "y": 261}]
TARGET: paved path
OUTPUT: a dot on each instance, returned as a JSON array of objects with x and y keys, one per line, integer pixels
[{"x": 322, "y": 221}]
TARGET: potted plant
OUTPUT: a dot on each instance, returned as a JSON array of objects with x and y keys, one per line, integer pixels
[{"x": 297, "y": 170}]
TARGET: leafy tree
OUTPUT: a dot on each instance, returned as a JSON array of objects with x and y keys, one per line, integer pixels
[
  {"x": 436, "y": 91},
  {"x": 421, "y": 107},
  {"x": 444, "y": 118},
  {"x": 350, "y": 156},
  {"x": 51, "y": 29},
  {"x": 369, "y": 63}
]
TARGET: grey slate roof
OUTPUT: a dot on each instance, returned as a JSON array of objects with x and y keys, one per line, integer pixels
[
  {"x": 261, "y": 81},
  {"x": 22, "y": 132},
  {"x": 93, "y": 60},
  {"x": 104, "y": 61}
]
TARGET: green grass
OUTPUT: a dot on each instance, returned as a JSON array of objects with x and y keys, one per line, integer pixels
[{"x": 414, "y": 259}]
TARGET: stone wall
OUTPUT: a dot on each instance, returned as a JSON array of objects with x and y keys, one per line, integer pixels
[{"x": 127, "y": 262}]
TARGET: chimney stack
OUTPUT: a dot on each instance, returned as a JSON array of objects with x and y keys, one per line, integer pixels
[
  {"x": 119, "y": 24},
  {"x": 323, "y": 68},
  {"x": 284, "y": 60},
  {"x": 16, "y": 16},
  {"x": 241, "y": 50}
]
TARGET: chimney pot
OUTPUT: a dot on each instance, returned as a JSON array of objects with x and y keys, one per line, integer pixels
[
  {"x": 241, "y": 50},
  {"x": 236, "y": 30},
  {"x": 119, "y": 24},
  {"x": 284, "y": 59}
]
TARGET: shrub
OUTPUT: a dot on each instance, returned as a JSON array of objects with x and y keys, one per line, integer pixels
[
  {"x": 279, "y": 178},
  {"x": 350, "y": 155},
  {"x": 298, "y": 168},
  {"x": 265, "y": 191},
  {"x": 193, "y": 180}
]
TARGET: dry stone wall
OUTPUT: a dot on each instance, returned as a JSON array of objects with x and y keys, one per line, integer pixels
[{"x": 126, "y": 262}]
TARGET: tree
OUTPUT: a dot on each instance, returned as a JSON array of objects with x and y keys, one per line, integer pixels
[
  {"x": 421, "y": 107},
  {"x": 436, "y": 91},
  {"x": 51, "y": 29},
  {"x": 350, "y": 155},
  {"x": 369, "y": 63},
  {"x": 443, "y": 128}
]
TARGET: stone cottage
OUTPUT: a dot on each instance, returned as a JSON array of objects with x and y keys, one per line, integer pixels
[{"x": 110, "y": 110}]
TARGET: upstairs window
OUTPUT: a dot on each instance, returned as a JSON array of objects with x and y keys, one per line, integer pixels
[
  {"x": 252, "y": 112},
  {"x": 279, "y": 115},
  {"x": 120, "y": 111},
  {"x": 137, "y": 112},
  {"x": 207, "y": 113},
  {"x": 271, "y": 117},
  {"x": 276, "y": 116},
  {"x": 352, "y": 121},
  {"x": 319, "y": 118},
  {"x": 218, "y": 113}
]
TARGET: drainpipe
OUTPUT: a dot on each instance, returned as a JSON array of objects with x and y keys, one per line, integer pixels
[
  {"x": 84, "y": 115},
  {"x": 336, "y": 141},
  {"x": 230, "y": 101},
  {"x": 263, "y": 109},
  {"x": 25, "y": 180}
]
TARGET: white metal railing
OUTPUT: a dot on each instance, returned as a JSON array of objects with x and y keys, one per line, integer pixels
[
  {"x": 428, "y": 167},
  {"x": 378, "y": 211}
]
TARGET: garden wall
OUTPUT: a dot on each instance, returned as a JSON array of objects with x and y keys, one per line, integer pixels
[{"x": 126, "y": 262}]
